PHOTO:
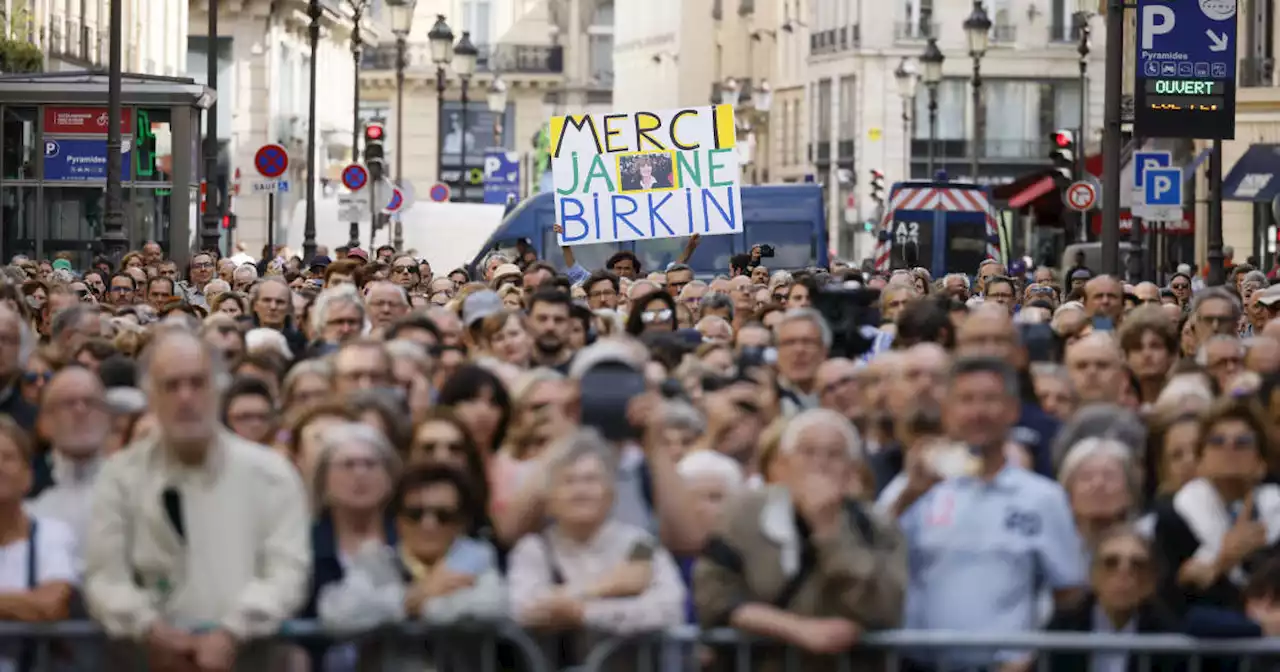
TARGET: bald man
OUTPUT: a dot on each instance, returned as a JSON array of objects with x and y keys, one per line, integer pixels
[
  {"x": 1262, "y": 355},
  {"x": 1147, "y": 293},
  {"x": 987, "y": 332},
  {"x": 920, "y": 378},
  {"x": 1096, "y": 366},
  {"x": 1104, "y": 297}
]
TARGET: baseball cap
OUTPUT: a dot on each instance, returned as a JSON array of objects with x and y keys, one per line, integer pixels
[
  {"x": 62, "y": 265},
  {"x": 357, "y": 253},
  {"x": 1270, "y": 296},
  {"x": 320, "y": 261},
  {"x": 1081, "y": 274},
  {"x": 480, "y": 305},
  {"x": 605, "y": 352}
]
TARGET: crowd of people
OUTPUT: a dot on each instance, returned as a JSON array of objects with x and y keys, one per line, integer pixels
[{"x": 195, "y": 460}]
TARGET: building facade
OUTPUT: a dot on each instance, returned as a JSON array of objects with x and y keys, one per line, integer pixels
[
  {"x": 263, "y": 97},
  {"x": 1030, "y": 86},
  {"x": 73, "y": 34},
  {"x": 552, "y": 56}
]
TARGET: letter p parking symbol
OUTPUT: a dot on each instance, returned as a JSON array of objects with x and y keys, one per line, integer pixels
[{"x": 1156, "y": 20}]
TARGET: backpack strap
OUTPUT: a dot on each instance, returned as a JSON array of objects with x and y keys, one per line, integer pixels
[{"x": 27, "y": 652}]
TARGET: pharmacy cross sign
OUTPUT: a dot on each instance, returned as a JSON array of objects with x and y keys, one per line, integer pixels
[
  {"x": 1186, "y": 63},
  {"x": 271, "y": 161}
]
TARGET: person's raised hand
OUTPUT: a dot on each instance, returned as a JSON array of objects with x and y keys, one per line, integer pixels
[{"x": 1246, "y": 535}]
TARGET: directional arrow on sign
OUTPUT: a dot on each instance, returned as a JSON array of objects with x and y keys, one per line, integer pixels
[{"x": 1217, "y": 42}]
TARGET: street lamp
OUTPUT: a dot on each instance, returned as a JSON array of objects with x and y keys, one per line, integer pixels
[
  {"x": 314, "y": 12},
  {"x": 978, "y": 29},
  {"x": 497, "y": 99},
  {"x": 762, "y": 101},
  {"x": 464, "y": 63},
  {"x": 932, "y": 60},
  {"x": 357, "y": 45},
  {"x": 1082, "y": 24},
  {"x": 441, "y": 40},
  {"x": 731, "y": 92},
  {"x": 907, "y": 75},
  {"x": 401, "y": 24}
]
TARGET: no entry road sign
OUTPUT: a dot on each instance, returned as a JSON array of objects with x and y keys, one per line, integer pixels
[
  {"x": 1081, "y": 196},
  {"x": 271, "y": 161}
]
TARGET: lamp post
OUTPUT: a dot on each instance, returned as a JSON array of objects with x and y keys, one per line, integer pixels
[
  {"x": 497, "y": 100},
  {"x": 762, "y": 101},
  {"x": 357, "y": 45},
  {"x": 441, "y": 40},
  {"x": 907, "y": 75},
  {"x": 314, "y": 11},
  {"x": 401, "y": 24},
  {"x": 1082, "y": 24},
  {"x": 464, "y": 63},
  {"x": 932, "y": 60},
  {"x": 114, "y": 242},
  {"x": 209, "y": 233},
  {"x": 978, "y": 29}
]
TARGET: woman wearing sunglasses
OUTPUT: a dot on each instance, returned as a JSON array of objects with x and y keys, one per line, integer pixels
[
  {"x": 1121, "y": 599},
  {"x": 655, "y": 312}
]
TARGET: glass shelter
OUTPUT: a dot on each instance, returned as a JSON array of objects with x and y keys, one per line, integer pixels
[{"x": 53, "y": 167}]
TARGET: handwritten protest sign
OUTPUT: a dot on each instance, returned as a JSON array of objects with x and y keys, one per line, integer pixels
[{"x": 646, "y": 175}]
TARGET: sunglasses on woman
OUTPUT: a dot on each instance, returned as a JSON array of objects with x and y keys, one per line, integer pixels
[
  {"x": 442, "y": 515},
  {"x": 31, "y": 377},
  {"x": 1116, "y": 561},
  {"x": 651, "y": 316}
]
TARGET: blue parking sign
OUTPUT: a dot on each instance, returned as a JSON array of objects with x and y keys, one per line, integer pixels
[
  {"x": 1163, "y": 187},
  {"x": 1144, "y": 161}
]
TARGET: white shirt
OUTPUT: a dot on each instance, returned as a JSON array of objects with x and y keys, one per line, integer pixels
[
  {"x": 70, "y": 498},
  {"x": 55, "y": 563}
]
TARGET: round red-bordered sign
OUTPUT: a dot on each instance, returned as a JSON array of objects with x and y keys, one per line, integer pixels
[
  {"x": 439, "y": 192},
  {"x": 1081, "y": 196},
  {"x": 271, "y": 161}
]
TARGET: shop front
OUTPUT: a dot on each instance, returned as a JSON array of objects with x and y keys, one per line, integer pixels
[{"x": 53, "y": 165}]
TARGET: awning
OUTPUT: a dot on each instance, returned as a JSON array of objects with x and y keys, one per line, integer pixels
[
  {"x": 1256, "y": 175},
  {"x": 1037, "y": 189}
]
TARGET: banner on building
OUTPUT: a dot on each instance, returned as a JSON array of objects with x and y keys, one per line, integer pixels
[{"x": 646, "y": 175}]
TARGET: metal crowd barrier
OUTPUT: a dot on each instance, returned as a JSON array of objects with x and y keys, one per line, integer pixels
[
  {"x": 688, "y": 649},
  {"x": 504, "y": 647}
]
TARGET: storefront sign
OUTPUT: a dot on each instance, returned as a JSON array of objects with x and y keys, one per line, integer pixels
[
  {"x": 79, "y": 160},
  {"x": 83, "y": 120}
]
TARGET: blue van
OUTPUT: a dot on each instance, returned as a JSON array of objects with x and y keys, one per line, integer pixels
[{"x": 790, "y": 217}]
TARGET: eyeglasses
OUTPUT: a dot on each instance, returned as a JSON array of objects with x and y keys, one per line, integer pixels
[
  {"x": 651, "y": 316},
  {"x": 203, "y": 266},
  {"x": 836, "y": 384},
  {"x": 1241, "y": 442},
  {"x": 1216, "y": 321},
  {"x": 780, "y": 298},
  {"x": 601, "y": 294},
  {"x": 1180, "y": 285},
  {"x": 116, "y": 289},
  {"x": 1117, "y": 561},
  {"x": 442, "y": 515},
  {"x": 404, "y": 269},
  {"x": 32, "y": 377},
  {"x": 432, "y": 447}
]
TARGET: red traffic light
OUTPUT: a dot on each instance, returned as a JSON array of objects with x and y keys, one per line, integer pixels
[
  {"x": 1062, "y": 139},
  {"x": 373, "y": 132}
]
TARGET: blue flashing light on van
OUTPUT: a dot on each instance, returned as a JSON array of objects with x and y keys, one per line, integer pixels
[{"x": 790, "y": 217}]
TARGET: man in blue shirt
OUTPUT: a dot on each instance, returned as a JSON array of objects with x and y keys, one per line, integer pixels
[{"x": 982, "y": 545}]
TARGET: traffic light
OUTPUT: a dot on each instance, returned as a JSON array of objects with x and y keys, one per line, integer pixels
[
  {"x": 1062, "y": 151},
  {"x": 374, "y": 132},
  {"x": 877, "y": 187}
]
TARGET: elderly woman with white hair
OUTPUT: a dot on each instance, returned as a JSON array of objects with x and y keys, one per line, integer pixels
[
  {"x": 712, "y": 479},
  {"x": 586, "y": 570},
  {"x": 1099, "y": 477},
  {"x": 802, "y": 559}
]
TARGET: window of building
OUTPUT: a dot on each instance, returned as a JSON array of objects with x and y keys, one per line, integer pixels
[
  {"x": 19, "y": 156},
  {"x": 822, "y": 112},
  {"x": 917, "y": 19},
  {"x": 953, "y": 101},
  {"x": 1010, "y": 108},
  {"x": 1059, "y": 106},
  {"x": 600, "y": 38},
  {"x": 848, "y": 109},
  {"x": 1061, "y": 22},
  {"x": 476, "y": 18}
]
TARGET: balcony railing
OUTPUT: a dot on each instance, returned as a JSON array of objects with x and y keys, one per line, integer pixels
[
  {"x": 532, "y": 59},
  {"x": 1257, "y": 71},
  {"x": 55, "y": 44},
  {"x": 915, "y": 30},
  {"x": 1004, "y": 34},
  {"x": 834, "y": 40},
  {"x": 1021, "y": 150}
]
